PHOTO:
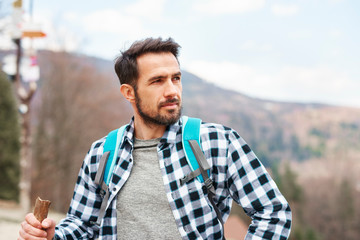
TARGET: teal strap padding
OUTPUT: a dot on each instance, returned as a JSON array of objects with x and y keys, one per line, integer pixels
[
  {"x": 191, "y": 131},
  {"x": 112, "y": 144}
]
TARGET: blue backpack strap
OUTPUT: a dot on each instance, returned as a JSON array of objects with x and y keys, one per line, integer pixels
[
  {"x": 104, "y": 173},
  {"x": 112, "y": 144},
  {"x": 191, "y": 131},
  {"x": 195, "y": 156}
]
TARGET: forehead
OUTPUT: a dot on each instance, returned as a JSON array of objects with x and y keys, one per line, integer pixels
[{"x": 151, "y": 63}]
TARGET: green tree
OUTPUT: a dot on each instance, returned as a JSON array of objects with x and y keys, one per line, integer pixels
[
  {"x": 286, "y": 179},
  {"x": 9, "y": 142},
  {"x": 346, "y": 210},
  {"x": 287, "y": 183},
  {"x": 300, "y": 232}
]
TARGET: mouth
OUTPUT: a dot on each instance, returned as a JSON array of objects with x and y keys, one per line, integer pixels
[{"x": 170, "y": 104}]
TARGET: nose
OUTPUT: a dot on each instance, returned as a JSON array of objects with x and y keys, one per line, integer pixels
[{"x": 170, "y": 89}]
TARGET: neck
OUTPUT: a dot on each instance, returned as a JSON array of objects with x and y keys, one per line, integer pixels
[{"x": 146, "y": 131}]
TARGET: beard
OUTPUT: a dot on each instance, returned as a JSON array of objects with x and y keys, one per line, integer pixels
[{"x": 156, "y": 118}]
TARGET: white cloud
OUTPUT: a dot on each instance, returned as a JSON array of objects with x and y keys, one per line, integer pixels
[
  {"x": 336, "y": 1},
  {"x": 335, "y": 33},
  {"x": 290, "y": 83},
  {"x": 112, "y": 21},
  {"x": 153, "y": 9},
  {"x": 229, "y": 75},
  {"x": 216, "y": 7},
  {"x": 313, "y": 79},
  {"x": 251, "y": 45},
  {"x": 284, "y": 10},
  {"x": 300, "y": 34},
  {"x": 71, "y": 16}
]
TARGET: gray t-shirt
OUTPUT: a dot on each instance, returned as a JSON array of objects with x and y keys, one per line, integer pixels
[{"x": 143, "y": 211}]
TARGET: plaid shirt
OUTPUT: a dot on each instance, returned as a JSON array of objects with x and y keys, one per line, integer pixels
[{"x": 235, "y": 170}]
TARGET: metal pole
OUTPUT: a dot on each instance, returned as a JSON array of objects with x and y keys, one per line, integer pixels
[
  {"x": 24, "y": 104},
  {"x": 24, "y": 184},
  {"x": 24, "y": 95}
]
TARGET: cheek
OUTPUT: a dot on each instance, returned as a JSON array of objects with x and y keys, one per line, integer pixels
[
  {"x": 180, "y": 90},
  {"x": 180, "y": 95},
  {"x": 151, "y": 96}
]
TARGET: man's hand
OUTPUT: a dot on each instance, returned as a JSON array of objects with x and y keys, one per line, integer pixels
[{"x": 31, "y": 228}]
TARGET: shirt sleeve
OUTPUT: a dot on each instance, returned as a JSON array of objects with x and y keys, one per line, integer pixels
[
  {"x": 251, "y": 186},
  {"x": 85, "y": 203}
]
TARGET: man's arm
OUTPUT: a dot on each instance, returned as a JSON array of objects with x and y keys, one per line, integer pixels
[
  {"x": 85, "y": 202},
  {"x": 251, "y": 186},
  {"x": 83, "y": 208}
]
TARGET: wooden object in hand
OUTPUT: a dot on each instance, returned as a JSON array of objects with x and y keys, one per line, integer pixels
[{"x": 41, "y": 209}]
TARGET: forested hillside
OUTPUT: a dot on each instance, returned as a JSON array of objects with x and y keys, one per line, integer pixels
[{"x": 276, "y": 130}]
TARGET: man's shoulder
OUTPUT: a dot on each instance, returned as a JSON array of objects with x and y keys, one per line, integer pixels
[
  {"x": 216, "y": 131},
  {"x": 97, "y": 144},
  {"x": 215, "y": 127},
  {"x": 127, "y": 129}
]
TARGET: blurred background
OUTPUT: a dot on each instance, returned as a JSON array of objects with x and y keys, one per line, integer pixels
[{"x": 284, "y": 74}]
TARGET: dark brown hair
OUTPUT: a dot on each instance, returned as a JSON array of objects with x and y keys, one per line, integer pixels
[{"x": 126, "y": 66}]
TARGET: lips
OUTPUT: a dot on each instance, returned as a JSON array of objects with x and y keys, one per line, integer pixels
[{"x": 170, "y": 103}]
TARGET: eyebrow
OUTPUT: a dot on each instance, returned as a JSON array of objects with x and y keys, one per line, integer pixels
[
  {"x": 163, "y": 76},
  {"x": 177, "y": 74}
]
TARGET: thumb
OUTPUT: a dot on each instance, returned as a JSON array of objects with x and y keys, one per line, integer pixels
[{"x": 49, "y": 226}]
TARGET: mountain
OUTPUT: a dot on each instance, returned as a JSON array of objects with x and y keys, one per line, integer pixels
[{"x": 274, "y": 130}]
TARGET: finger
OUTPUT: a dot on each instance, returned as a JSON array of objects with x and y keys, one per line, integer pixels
[
  {"x": 31, "y": 219},
  {"x": 48, "y": 223},
  {"x": 28, "y": 231},
  {"x": 28, "y": 237},
  {"x": 25, "y": 236}
]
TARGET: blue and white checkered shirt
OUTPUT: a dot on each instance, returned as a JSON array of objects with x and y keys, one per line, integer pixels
[{"x": 235, "y": 170}]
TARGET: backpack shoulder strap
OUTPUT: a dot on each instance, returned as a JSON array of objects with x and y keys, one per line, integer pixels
[
  {"x": 191, "y": 131},
  {"x": 197, "y": 161},
  {"x": 112, "y": 144},
  {"x": 106, "y": 167},
  {"x": 200, "y": 157},
  {"x": 108, "y": 159}
]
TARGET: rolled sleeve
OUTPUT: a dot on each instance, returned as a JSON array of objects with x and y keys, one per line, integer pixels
[{"x": 252, "y": 187}]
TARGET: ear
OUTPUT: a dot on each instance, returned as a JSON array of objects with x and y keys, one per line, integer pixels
[{"x": 128, "y": 92}]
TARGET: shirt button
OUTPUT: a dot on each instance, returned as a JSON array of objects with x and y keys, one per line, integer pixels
[{"x": 130, "y": 160}]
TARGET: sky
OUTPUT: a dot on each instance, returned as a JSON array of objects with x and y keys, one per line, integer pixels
[{"x": 283, "y": 50}]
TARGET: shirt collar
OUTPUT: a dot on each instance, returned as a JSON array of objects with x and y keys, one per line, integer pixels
[
  {"x": 169, "y": 135},
  {"x": 171, "y": 132},
  {"x": 129, "y": 133}
]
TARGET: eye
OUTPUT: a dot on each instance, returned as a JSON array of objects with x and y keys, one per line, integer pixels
[
  {"x": 156, "y": 81},
  {"x": 178, "y": 78}
]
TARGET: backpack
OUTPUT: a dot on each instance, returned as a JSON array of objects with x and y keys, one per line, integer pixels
[{"x": 193, "y": 153}]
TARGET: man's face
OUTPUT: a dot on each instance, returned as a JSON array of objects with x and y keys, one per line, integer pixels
[{"x": 158, "y": 93}]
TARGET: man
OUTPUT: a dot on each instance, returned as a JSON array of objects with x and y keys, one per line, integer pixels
[{"x": 146, "y": 199}]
